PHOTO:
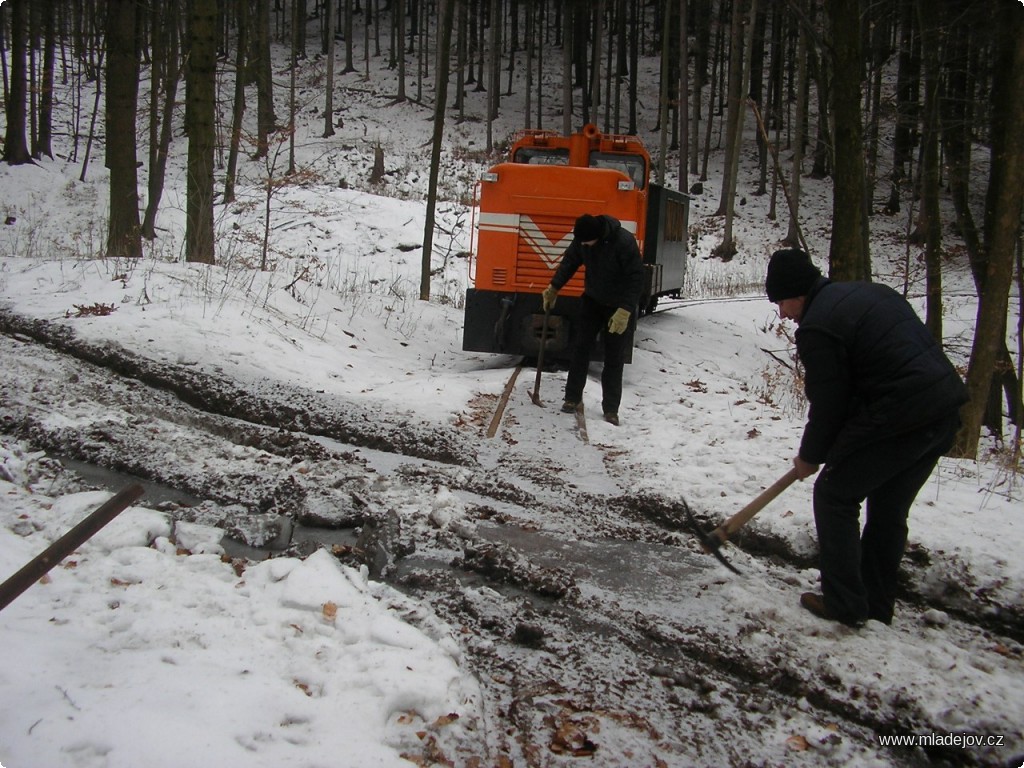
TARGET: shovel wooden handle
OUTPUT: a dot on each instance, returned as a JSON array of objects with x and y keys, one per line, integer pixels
[
  {"x": 540, "y": 358},
  {"x": 741, "y": 518},
  {"x": 41, "y": 564}
]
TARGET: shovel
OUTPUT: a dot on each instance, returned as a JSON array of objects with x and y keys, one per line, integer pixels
[
  {"x": 712, "y": 542},
  {"x": 535, "y": 395}
]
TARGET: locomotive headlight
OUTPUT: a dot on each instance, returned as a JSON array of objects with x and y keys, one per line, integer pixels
[
  {"x": 626, "y": 186},
  {"x": 489, "y": 176}
]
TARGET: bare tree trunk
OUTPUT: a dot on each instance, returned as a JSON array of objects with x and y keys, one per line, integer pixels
[
  {"x": 663, "y": 94},
  {"x": 494, "y": 89},
  {"x": 848, "y": 254},
  {"x": 567, "y": 34},
  {"x": 124, "y": 237},
  {"x": 634, "y": 64},
  {"x": 238, "y": 106},
  {"x": 702, "y": 35},
  {"x": 734, "y": 136},
  {"x": 15, "y": 141},
  {"x": 793, "y": 237},
  {"x": 293, "y": 69},
  {"x": 907, "y": 79},
  {"x": 531, "y": 48},
  {"x": 539, "y": 32},
  {"x": 440, "y": 103},
  {"x": 199, "y": 242},
  {"x": 719, "y": 46},
  {"x": 350, "y": 60},
  {"x": 171, "y": 72},
  {"x": 329, "y": 85},
  {"x": 1002, "y": 221},
  {"x": 400, "y": 47},
  {"x": 266, "y": 120},
  {"x": 41, "y": 145},
  {"x": 595, "y": 60},
  {"x": 734, "y": 89},
  {"x": 684, "y": 97},
  {"x": 928, "y": 14}
]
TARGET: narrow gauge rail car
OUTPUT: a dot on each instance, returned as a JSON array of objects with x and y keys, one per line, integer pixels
[{"x": 524, "y": 215}]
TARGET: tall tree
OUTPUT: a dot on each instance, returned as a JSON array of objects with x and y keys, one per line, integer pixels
[
  {"x": 124, "y": 233},
  {"x": 41, "y": 144},
  {"x": 1003, "y": 206},
  {"x": 398, "y": 49},
  {"x": 930, "y": 219},
  {"x": 735, "y": 105},
  {"x": 907, "y": 82},
  {"x": 440, "y": 104},
  {"x": 798, "y": 129},
  {"x": 266, "y": 119},
  {"x": 165, "y": 76},
  {"x": 849, "y": 257},
  {"x": 329, "y": 85},
  {"x": 350, "y": 62},
  {"x": 567, "y": 27},
  {"x": 684, "y": 96},
  {"x": 238, "y": 104},
  {"x": 734, "y": 133},
  {"x": 199, "y": 116},
  {"x": 15, "y": 141}
]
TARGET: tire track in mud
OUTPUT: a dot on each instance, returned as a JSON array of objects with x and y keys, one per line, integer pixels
[
  {"x": 286, "y": 408},
  {"x": 572, "y": 673}
]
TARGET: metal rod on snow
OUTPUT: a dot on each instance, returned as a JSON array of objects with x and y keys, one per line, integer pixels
[{"x": 40, "y": 565}]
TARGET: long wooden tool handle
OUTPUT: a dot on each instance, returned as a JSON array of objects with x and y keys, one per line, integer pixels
[
  {"x": 66, "y": 544},
  {"x": 741, "y": 518},
  {"x": 540, "y": 355}
]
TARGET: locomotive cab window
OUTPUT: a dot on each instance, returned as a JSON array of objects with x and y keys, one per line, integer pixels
[
  {"x": 541, "y": 156},
  {"x": 631, "y": 165}
]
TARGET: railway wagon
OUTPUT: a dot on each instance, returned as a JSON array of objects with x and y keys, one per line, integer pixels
[{"x": 524, "y": 213}]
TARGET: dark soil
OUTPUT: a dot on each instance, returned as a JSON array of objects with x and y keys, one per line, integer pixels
[{"x": 566, "y": 673}]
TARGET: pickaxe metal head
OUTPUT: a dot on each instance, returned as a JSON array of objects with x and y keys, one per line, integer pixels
[
  {"x": 709, "y": 542},
  {"x": 712, "y": 542}
]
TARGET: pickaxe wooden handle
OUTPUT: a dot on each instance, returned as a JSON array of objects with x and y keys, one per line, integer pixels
[
  {"x": 712, "y": 542},
  {"x": 728, "y": 529}
]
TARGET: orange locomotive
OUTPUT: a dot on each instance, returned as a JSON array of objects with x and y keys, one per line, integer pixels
[{"x": 524, "y": 218}]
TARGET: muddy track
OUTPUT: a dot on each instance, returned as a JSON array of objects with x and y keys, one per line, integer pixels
[
  {"x": 570, "y": 667},
  {"x": 244, "y": 416},
  {"x": 290, "y": 409}
]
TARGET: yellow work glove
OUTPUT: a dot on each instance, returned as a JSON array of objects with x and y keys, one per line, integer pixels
[
  {"x": 618, "y": 321},
  {"x": 548, "y": 297}
]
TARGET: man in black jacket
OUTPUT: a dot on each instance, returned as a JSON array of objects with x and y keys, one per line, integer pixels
[
  {"x": 884, "y": 406},
  {"x": 611, "y": 291}
]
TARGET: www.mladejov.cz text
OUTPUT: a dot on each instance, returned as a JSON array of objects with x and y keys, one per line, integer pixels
[{"x": 941, "y": 740}]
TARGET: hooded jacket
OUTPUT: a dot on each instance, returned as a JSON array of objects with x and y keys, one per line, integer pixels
[
  {"x": 872, "y": 369},
  {"x": 614, "y": 270}
]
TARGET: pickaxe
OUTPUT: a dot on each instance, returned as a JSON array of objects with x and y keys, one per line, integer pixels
[
  {"x": 712, "y": 542},
  {"x": 535, "y": 395}
]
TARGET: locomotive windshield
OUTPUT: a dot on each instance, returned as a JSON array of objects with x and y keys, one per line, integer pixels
[
  {"x": 541, "y": 156},
  {"x": 631, "y": 165}
]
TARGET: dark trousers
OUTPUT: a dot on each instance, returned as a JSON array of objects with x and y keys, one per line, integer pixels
[
  {"x": 859, "y": 569},
  {"x": 593, "y": 320}
]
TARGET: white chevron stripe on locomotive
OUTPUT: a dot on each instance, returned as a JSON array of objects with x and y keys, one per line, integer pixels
[{"x": 549, "y": 251}]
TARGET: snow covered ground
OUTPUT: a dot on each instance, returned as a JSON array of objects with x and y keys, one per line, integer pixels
[{"x": 151, "y": 646}]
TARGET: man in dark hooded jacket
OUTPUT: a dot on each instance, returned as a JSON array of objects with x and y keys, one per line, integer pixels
[
  {"x": 884, "y": 406},
  {"x": 611, "y": 291}
]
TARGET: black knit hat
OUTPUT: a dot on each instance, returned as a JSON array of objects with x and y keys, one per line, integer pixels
[
  {"x": 790, "y": 274},
  {"x": 587, "y": 228}
]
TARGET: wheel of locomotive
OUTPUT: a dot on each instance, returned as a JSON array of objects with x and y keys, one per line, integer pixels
[{"x": 652, "y": 304}]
